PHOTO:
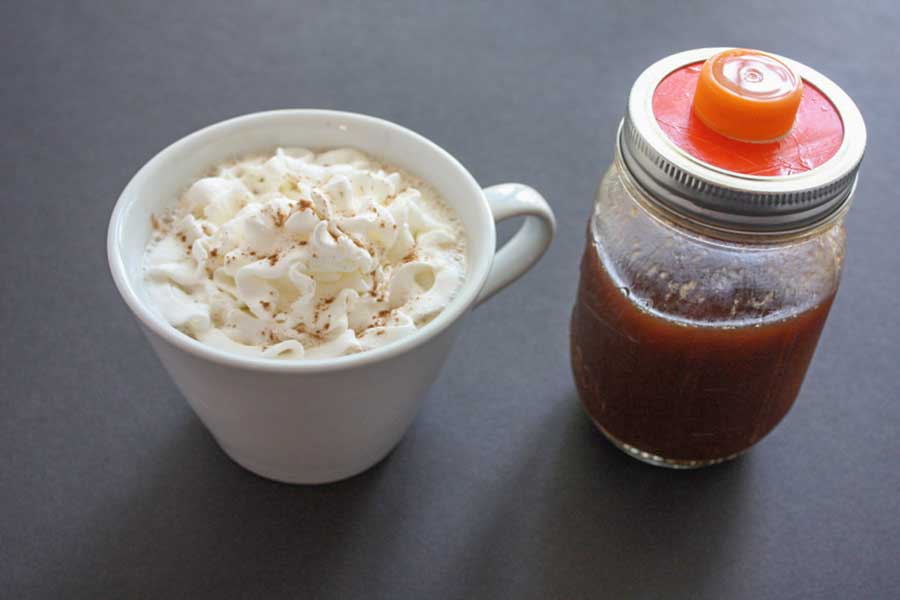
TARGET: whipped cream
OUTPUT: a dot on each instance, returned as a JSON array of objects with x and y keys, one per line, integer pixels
[{"x": 304, "y": 255}]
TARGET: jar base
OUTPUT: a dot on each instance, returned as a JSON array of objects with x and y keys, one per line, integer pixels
[{"x": 659, "y": 461}]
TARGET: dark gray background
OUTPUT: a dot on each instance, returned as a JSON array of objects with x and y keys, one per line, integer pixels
[{"x": 110, "y": 487}]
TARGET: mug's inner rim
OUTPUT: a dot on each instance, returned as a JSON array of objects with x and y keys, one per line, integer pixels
[{"x": 477, "y": 267}]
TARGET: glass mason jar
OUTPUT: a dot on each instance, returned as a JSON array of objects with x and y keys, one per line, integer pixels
[{"x": 704, "y": 288}]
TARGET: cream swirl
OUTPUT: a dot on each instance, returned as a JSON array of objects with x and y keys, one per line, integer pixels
[{"x": 304, "y": 255}]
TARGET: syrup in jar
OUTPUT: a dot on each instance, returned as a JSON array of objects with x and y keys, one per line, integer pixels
[{"x": 714, "y": 253}]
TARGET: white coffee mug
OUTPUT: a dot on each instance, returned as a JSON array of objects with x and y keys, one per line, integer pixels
[{"x": 316, "y": 421}]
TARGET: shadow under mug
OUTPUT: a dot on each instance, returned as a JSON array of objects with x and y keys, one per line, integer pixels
[{"x": 316, "y": 421}]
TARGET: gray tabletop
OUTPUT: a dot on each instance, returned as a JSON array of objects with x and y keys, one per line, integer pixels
[{"x": 111, "y": 488}]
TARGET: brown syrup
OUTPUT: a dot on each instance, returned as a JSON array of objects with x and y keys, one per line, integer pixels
[{"x": 684, "y": 390}]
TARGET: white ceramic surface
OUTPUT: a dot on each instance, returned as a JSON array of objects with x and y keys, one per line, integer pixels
[{"x": 317, "y": 421}]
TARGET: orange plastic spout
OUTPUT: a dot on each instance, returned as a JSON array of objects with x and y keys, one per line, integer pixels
[{"x": 747, "y": 95}]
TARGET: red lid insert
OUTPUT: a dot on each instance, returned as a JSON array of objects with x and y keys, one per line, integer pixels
[{"x": 703, "y": 107}]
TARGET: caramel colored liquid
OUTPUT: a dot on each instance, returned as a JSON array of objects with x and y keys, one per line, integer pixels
[{"x": 684, "y": 391}]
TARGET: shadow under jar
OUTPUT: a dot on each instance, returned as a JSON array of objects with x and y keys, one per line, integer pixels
[{"x": 704, "y": 287}]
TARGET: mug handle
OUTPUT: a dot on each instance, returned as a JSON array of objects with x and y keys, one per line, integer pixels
[{"x": 526, "y": 247}]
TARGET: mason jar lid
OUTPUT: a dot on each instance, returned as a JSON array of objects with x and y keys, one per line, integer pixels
[{"x": 775, "y": 186}]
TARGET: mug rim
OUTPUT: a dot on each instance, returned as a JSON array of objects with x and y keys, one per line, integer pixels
[{"x": 476, "y": 274}]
